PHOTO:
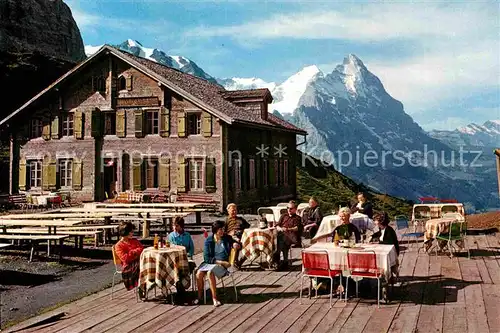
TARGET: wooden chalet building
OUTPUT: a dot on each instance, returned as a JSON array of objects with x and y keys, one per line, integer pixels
[{"x": 117, "y": 122}]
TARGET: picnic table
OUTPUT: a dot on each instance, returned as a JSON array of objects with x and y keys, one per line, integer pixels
[
  {"x": 164, "y": 267},
  {"x": 330, "y": 222},
  {"x": 38, "y": 223},
  {"x": 386, "y": 256}
]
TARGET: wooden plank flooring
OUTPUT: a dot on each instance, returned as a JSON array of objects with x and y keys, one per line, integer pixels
[{"x": 435, "y": 294}]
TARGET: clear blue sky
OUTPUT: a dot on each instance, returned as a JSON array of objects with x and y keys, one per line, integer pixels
[{"x": 441, "y": 60}]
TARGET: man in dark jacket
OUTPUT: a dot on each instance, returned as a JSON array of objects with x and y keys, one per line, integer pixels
[
  {"x": 363, "y": 206},
  {"x": 288, "y": 234},
  {"x": 311, "y": 217}
]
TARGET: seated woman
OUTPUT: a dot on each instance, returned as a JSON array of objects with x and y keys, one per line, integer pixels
[
  {"x": 181, "y": 237},
  {"x": 386, "y": 234},
  {"x": 216, "y": 251},
  {"x": 129, "y": 250},
  {"x": 346, "y": 228}
]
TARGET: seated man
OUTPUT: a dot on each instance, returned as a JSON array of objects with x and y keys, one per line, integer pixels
[
  {"x": 386, "y": 234},
  {"x": 181, "y": 237},
  {"x": 311, "y": 218},
  {"x": 346, "y": 229},
  {"x": 363, "y": 206},
  {"x": 288, "y": 234},
  {"x": 234, "y": 227}
]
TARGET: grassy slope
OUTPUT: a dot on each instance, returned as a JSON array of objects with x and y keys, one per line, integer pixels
[{"x": 332, "y": 189}]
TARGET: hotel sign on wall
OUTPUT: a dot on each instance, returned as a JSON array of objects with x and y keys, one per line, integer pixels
[{"x": 137, "y": 101}]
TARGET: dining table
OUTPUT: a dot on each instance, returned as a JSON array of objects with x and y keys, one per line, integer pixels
[
  {"x": 330, "y": 222},
  {"x": 257, "y": 241}
]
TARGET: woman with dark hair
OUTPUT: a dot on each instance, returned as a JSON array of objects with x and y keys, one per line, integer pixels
[
  {"x": 129, "y": 250},
  {"x": 386, "y": 234},
  {"x": 216, "y": 251}
]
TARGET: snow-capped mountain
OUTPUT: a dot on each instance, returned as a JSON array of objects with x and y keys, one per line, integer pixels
[
  {"x": 237, "y": 83},
  {"x": 485, "y": 135},
  {"x": 178, "y": 62}
]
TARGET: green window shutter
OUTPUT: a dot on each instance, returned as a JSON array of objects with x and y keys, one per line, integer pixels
[
  {"x": 164, "y": 122},
  {"x": 22, "y": 174},
  {"x": 46, "y": 129},
  {"x": 120, "y": 124},
  {"x": 52, "y": 174},
  {"x": 136, "y": 169},
  {"x": 181, "y": 124},
  {"x": 207, "y": 124},
  {"x": 139, "y": 123},
  {"x": 210, "y": 175},
  {"x": 164, "y": 176},
  {"x": 55, "y": 128},
  {"x": 129, "y": 82},
  {"x": 45, "y": 174},
  {"x": 181, "y": 174},
  {"x": 78, "y": 125},
  {"x": 77, "y": 174},
  {"x": 96, "y": 123}
]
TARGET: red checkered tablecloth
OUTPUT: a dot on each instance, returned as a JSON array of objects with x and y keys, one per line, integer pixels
[
  {"x": 256, "y": 241},
  {"x": 164, "y": 267}
]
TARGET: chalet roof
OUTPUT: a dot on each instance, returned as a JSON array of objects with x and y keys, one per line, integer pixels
[
  {"x": 247, "y": 93},
  {"x": 206, "y": 95}
]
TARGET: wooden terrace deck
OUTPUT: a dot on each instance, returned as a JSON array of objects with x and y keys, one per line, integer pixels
[{"x": 438, "y": 294}]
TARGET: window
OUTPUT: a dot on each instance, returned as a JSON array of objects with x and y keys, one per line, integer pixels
[
  {"x": 194, "y": 123},
  {"x": 67, "y": 125},
  {"x": 150, "y": 173},
  {"x": 195, "y": 175},
  {"x": 152, "y": 122},
  {"x": 236, "y": 163},
  {"x": 99, "y": 84},
  {"x": 285, "y": 172},
  {"x": 109, "y": 123},
  {"x": 122, "y": 83},
  {"x": 276, "y": 173},
  {"x": 251, "y": 171},
  {"x": 264, "y": 172},
  {"x": 36, "y": 128},
  {"x": 35, "y": 173},
  {"x": 65, "y": 173}
]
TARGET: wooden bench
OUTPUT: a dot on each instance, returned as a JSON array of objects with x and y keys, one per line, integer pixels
[
  {"x": 78, "y": 234},
  {"x": 18, "y": 200},
  {"x": 196, "y": 198},
  {"x": 35, "y": 239},
  {"x": 4, "y": 245}
]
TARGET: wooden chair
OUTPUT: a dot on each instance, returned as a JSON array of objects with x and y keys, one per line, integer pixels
[{"x": 118, "y": 270}]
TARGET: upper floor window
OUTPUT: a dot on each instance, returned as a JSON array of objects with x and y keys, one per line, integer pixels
[
  {"x": 65, "y": 172},
  {"x": 67, "y": 125},
  {"x": 35, "y": 173},
  {"x": 236, "y": 165},
  {"x": 122, "y": 83},
  {"x": 285, "y": 172},
  {"x": 109, "y": 123},
  {"x": 152, "y": 122},
  {"x": 98, "y": 83},
  {"x": 36, "y": 128},
  {"x": 194, "y": 123},
  {"x": 276, "y": 172},
  {"x": 195, "y": 174}
]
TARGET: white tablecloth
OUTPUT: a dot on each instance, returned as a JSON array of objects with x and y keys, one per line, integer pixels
[
  {"x": 386, "y": 256},
  {"x": 329, "y": 222}
]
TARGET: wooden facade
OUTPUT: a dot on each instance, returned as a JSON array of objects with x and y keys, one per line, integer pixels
[{"x": 118, "y": 122}]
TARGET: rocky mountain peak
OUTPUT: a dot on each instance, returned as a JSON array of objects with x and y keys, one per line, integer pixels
[{"x": 44, "y": 26}]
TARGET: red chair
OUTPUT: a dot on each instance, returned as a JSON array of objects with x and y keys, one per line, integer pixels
[
  {"x": 316, "y": 264},
  {"x": 364, "y": 265}
]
